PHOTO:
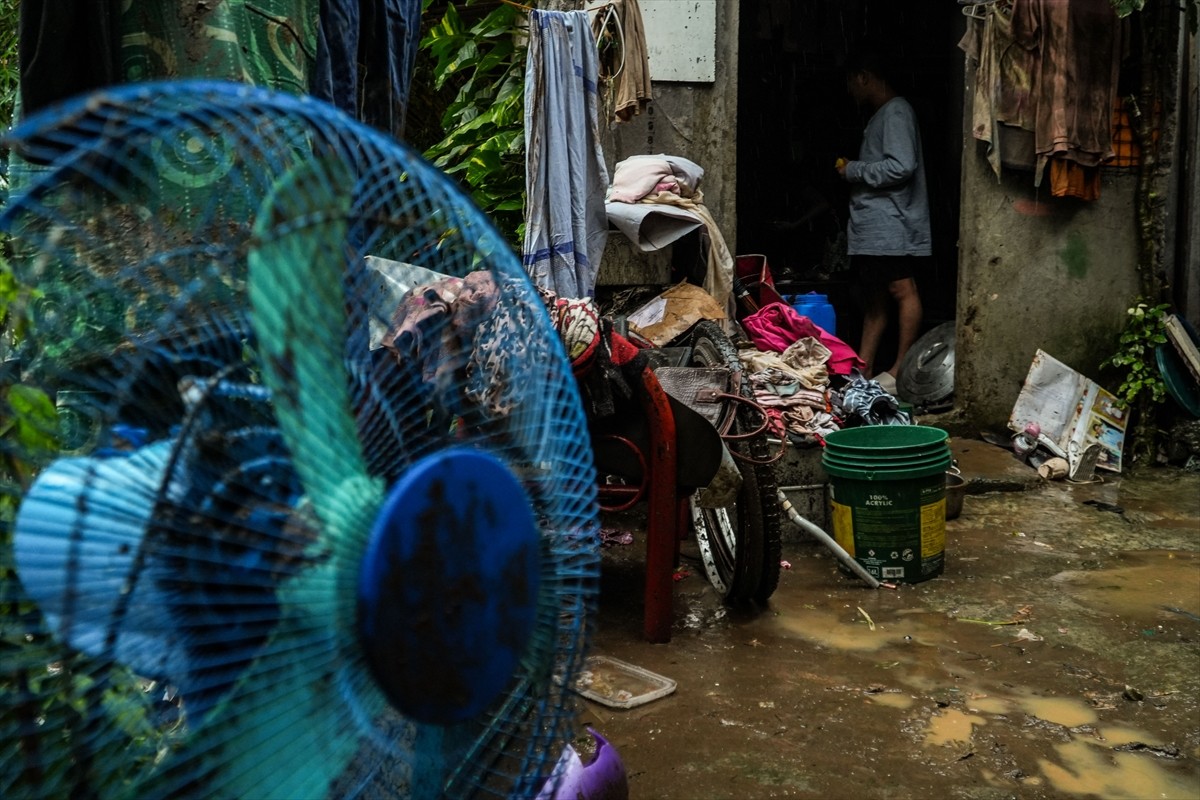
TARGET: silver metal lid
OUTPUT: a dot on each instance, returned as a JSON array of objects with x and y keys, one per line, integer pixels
[{"x": 927, "y": 372}]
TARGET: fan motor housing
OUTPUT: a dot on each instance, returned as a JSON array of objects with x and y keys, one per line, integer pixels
[{"x": 449, "y": 585}]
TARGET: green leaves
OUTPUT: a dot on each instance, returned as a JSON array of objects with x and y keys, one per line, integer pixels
[
  {"x": 28, "y": 432},
  {"x": 1126, "y": 7},
  {"x": 1143, "y": 333},
  {"x": 8, "y": 60},
  {"x": 35, "y": 419},
  {"x": 483, "y": 142},
  {"x": 1191, "y": 11}
]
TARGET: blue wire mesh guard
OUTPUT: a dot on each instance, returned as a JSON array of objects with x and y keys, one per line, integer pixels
[{"x": 185, "y": 550}]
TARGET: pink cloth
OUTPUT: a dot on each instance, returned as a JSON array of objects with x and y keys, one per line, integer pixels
[{"x": 775, "y": 326}]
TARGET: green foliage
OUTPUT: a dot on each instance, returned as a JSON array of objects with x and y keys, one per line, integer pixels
[
  {"x": 53, "y": 696},
  {"x": 482, "y": 65},
  {"x": 1143, "y": 334},
  {"x": 8, "y": 60},
  {"x": 1191, "y": 10},
  {"x": 28, "y": 429},
  {"x": 1126, "y": 7}
]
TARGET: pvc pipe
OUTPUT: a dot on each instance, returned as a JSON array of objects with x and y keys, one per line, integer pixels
[{"x": 829, "y": 542}]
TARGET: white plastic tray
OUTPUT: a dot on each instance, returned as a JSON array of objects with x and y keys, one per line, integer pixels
[{"x": 619, "y": 684}]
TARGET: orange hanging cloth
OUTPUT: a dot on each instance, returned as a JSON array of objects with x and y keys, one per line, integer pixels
[{"x": 1071, "y": 179}]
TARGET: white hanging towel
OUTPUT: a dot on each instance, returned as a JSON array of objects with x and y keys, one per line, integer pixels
[{"x": 566, "y": 226}]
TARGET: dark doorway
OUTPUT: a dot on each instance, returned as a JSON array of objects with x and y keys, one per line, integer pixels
[{"x": 795, "y": 119}]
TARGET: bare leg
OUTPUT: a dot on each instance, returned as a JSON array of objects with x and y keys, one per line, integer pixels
[
  {"x": 910, "y": 312},
  {"x": 875, "y": 317}
]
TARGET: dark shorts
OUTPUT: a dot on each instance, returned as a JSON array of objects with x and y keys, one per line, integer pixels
[{"x": 883, "y": 270}]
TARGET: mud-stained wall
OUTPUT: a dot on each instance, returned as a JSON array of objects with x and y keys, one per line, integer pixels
[
  {"x": 1034, "y": 272},
  {"x": 1188, "y": 296},
  {"x": 694, "y": 120}
]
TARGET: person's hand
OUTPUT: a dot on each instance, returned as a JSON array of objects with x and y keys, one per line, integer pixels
[{"x": 840, "y": 166}]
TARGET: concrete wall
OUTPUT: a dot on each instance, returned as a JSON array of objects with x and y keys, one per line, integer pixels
[
  {"x": 697, "y": 121},
  {"x": 1036, "y": 272},
  {"x": 1188, "y": 294}
]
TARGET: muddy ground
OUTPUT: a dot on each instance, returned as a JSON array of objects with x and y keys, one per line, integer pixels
[{"x": 1058, "y": 656}]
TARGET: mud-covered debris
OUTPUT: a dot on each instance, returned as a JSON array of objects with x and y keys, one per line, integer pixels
[
  {"x": 1020, "y": 615},
  {"x": 1163, "y": 752},
  {"x": 1103, "y": 506},
  {"x": 610, "y": 537},
  {"x": 1028, "y": 636}
]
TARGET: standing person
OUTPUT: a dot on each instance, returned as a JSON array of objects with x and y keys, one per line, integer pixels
[{"x": 888, "y": 234}]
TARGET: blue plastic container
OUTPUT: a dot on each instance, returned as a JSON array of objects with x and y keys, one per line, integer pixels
[{"x": 817, "y": 308}]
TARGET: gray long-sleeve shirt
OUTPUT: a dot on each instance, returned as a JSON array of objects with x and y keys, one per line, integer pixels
[{"x": 889, "y": 207}]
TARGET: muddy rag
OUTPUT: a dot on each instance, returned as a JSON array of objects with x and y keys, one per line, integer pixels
[
  {"x": 626, "y": 64},
  {"x": 865, "y": 401}
]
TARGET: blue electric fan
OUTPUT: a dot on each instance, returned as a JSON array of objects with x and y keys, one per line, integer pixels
[{"x": 313, "y": 511}]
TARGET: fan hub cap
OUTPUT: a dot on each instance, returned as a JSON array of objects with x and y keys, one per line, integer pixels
[{"x": 449, "y": 586}]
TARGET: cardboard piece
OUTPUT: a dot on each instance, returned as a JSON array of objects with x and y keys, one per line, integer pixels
[
  {"x": 673, "y": 312},
  {"x": 1082, "y": 420}
]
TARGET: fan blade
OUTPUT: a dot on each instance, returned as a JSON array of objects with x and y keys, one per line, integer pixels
[
  {"x": 78, "y": 537},
  {"x": 302, "y": 689},
  {"x": 295, "y": 288}
]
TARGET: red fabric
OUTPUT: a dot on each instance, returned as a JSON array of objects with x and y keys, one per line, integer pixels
[
  {"x": 755, "y": 275},
  {"x": 622, "y": 349},
  {"x": 776, "y": 326}
]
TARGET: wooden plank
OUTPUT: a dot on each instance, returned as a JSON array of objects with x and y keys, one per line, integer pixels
[{"x": 1179, "y": 337}]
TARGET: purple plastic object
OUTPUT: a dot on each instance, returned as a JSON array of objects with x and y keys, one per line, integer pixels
[{"x": 603, "y": 779}]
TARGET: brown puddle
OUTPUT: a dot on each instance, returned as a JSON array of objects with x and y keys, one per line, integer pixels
[
  {"x": 1117, "y": 735},
  {"x": 840, "y": 631},
  {"x": 1148, "y": 586},
  {"x": 892, "y": 700},
  {"x": 1086, "y": 768},
  {"x": 849, "y": 629},
  {"x": 990, "y": 705},
  {"x": 1083, "y": 766},
  {"x": 1065, "y": 711},
  {"x": 951, "y": 726},
  {"x": 1139, "y": 587}
]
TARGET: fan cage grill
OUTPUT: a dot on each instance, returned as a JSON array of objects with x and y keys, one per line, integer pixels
[{"x": 134, "y": 293}]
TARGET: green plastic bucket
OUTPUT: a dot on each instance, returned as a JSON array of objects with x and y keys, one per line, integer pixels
[{"x": 887, "y": 489}]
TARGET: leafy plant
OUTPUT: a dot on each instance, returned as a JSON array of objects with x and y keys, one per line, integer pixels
[
  {"x": 1143, "y": 333},
  {"x": 1126, "y": 7},
  {"x": 8, "y": 60},
  {"x": 1191, "y": 10},
  {"x": 58, "y": 691},
  {"x": 482, "y": 64}
]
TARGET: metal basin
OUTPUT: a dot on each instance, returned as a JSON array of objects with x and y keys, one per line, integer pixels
[{"x": 956, "y": 489}]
